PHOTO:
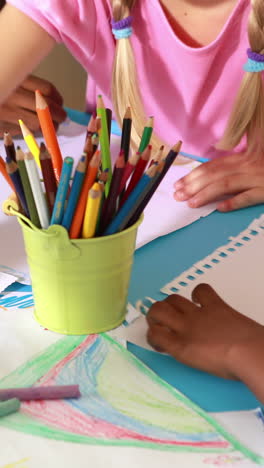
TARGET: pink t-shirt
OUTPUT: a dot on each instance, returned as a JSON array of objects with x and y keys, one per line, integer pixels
[{"x": 189, "y": 91}]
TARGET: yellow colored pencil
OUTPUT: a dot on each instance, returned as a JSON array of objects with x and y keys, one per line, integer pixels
[
  {"x": 30, "y": 141},
  {"x": 92, "y": 211}
]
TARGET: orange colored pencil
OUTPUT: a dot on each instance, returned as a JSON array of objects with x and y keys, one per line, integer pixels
[
  {"x": 5, "y": 174},
  {"x": 49, "y": 133},
  {"x": 90, "y": 177}
]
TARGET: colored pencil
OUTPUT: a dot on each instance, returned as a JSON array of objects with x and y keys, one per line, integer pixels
[
  {"x": 13, "y": 172},
  {"x": 62, "y": 191},
  {"x": 109, "y": 122},
  {"x": 165, "y": 165},
  {"x": 157, "y": 157},
  {"x": 92, "y": 211},
  {"x": 109, "y": 207},
  {"x": 74, "y": 193},
  {"x": 129, "y": 168},
  {"x": 154, "y": 170},
  {"x": 104, "y": 141},
  {"x": 9, "y": 146},
  {"x": 103, "y": 176},
  {"x": 41, "y": 393},
  {"x": 5, "y": 174},
  {"x": 9, "y": 406},
  {"x": 102, "y": 179},
  {"x": 95, "y": 141},
  {"x": 49, "y": 133},
  {"x": 91, "y": 127},
  {"x": 33, "y": 213},
  {"x": 91, "y": 173},
  {"x": 11, "y": 202},
  {"x": 117, "y": 223},
  {"x": 48, "y": 176},
  {"x": 30, "y": 141},
  {"x": 98, "y": 124},
  {"x": 88, "y": 148},
  {"x": 146, "y": 136},
  {"x": 38, "y": 194},
  {"x": 126, "y": 133},
  {"x": 139, "y": 169}
]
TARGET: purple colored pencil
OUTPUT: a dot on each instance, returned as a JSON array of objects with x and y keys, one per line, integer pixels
[{"x": 56, "y": 392}]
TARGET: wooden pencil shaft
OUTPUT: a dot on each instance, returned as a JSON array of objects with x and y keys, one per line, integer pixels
[
  {"x": 38, "y": 194},
  {"x": 9, "y": 147},
  {"x": 33, "y": 214}
]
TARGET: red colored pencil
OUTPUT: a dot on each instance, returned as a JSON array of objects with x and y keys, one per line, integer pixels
[
  {"x": 109, "y": 206},
  {"x": 139, "y": 169},
  {"x": 48, "y": 176},
  {"x": 129, "y": 168}
]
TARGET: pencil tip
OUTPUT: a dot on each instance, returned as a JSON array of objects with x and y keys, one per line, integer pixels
[{"x": 177, "y": 147}]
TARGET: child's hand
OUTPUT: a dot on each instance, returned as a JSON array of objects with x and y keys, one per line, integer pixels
[
  {"x": 208, "y": 334},
  {"x": 21, "y": 105},
  {"x": 238, "y": 178}
]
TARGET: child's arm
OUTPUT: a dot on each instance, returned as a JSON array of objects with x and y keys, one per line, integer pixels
[
  {"x": 209, "y": 335},
  {"x": 23, "y": 44}
]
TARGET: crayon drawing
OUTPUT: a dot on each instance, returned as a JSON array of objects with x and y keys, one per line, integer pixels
[
  {"x": 18, "y": 464},
  {"x": 122, "y": 403}
]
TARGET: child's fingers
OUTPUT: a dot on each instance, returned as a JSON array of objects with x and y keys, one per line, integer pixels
[
  {"x": 46, "y": 88},
  {"x": 164, "y": 314},
  {"x": 13, "y": 129},
  {"x": 208, "y": 188},
  {"x": 180, "y": 303},
  {"x": 248, "y": 198},
  {"x": 164, "y": 340},
  {"x": 213, "y": 169},
  {"x": 204, "y": 295}
]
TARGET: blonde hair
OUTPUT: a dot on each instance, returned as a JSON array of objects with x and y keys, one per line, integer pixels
[
  {"x": 125, "y": 89},
  {"x": 247, "y": 116}
]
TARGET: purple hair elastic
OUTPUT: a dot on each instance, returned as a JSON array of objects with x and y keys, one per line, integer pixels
[
  {"x": 255, "y": 56},
  {"x": 122, "y": 24}
]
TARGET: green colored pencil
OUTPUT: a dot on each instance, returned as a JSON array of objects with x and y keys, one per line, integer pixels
[
  {"x": 104, "y": 141},
  {"x": 146, "y": 136},
  {"x": 9, "y": 406},
  {"x": 20, "y": 157}
]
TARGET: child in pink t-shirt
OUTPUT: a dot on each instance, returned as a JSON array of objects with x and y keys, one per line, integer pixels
[
  {"x": 179, "y": 61},
  {"x": 183, "y": 63}
]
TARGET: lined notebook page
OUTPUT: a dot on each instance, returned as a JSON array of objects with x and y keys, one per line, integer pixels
[{"x": 235, "y": 271}]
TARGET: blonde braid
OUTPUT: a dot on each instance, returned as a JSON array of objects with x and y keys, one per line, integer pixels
[
  {"x": 125, "y": 90},
  {"x": 247, "y": 116}
]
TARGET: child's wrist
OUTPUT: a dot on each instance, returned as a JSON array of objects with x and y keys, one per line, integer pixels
[{"x": 246, "y": 357}]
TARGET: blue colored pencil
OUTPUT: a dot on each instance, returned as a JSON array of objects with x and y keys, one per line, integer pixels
[
  {"x": 74, "y": 193},
  {"x": 195, "y": 158},
  {"x": 63, "y": 187},
  {"x": 142, "y": 185}
]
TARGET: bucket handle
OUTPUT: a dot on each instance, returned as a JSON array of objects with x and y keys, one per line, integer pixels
[
  {"x": 9, "y": 210},
  {"x": 58, "y": 242}
]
